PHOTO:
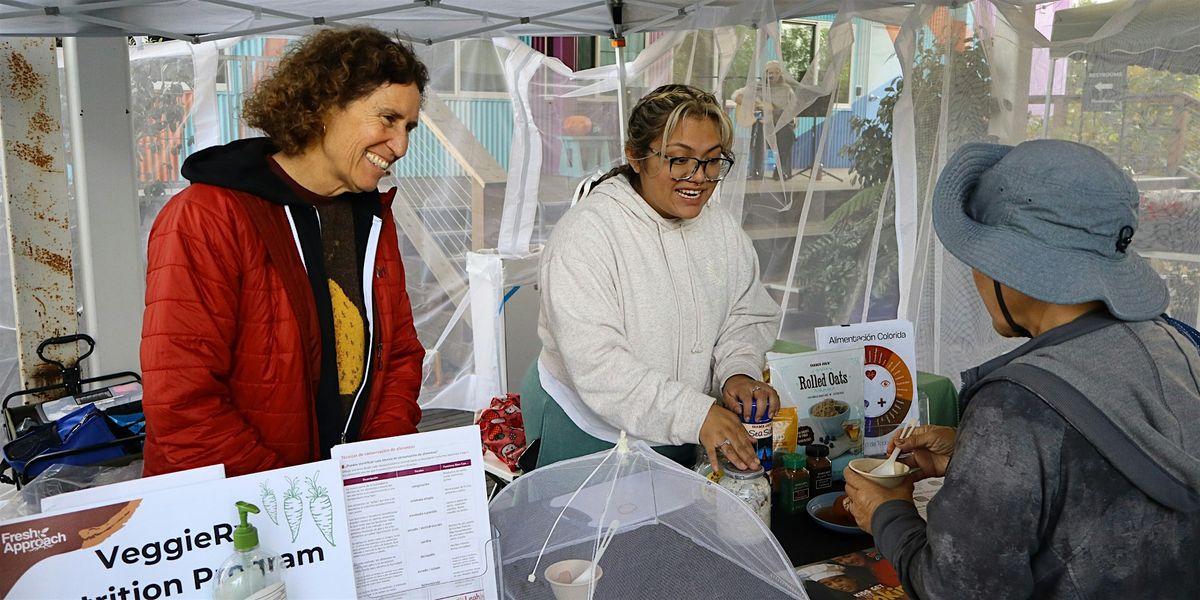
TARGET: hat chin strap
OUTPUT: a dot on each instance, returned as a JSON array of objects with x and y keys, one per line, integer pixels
[{"x": 1021, "y": 331}]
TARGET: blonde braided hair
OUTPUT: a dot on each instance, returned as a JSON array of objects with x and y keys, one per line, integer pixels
[{"x": 658, "y": 113}]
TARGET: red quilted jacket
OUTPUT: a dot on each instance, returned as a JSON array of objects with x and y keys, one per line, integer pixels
[{"x": 231, "y": 344}]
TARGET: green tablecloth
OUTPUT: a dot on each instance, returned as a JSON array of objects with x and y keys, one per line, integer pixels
[{"x": 561, "y": 439}]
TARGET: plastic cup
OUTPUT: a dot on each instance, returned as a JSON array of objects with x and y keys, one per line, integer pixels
[{"x": 562, "y": 573}]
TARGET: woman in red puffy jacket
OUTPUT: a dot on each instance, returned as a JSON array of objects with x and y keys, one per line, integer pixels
[{"x": 277, "y": 322}]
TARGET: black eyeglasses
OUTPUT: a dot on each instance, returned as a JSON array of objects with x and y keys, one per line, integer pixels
[{"x": 683, "y": 168}]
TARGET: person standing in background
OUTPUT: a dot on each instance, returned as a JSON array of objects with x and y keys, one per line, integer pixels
[{"x": 773, "y": 97}]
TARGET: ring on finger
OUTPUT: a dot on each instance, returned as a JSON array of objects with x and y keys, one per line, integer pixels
[
  {"x": 756, "y": 388},
  {"x": 725, "y": 443}
]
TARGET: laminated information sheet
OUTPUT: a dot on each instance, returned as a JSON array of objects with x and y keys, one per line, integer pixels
[{"x": 418, "y": 517}]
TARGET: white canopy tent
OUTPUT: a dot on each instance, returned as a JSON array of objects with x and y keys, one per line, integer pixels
[
  {"x": 1165, "y": 36},
  {"x": 831, "y": 250},
  {"x": 420, "y": 21}
]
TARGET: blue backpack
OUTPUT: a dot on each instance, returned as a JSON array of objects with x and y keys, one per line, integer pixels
[{"x": 85, "y": 436}]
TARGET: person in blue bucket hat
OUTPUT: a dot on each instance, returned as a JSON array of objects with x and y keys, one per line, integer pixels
[{"x": 1075, "y": 472}]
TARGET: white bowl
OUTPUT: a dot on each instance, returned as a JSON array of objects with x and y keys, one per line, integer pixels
[
  {"x": 562, "y": 573},
  {"x": 863, "y": 467},
  {"x": 832, "y": 425}
]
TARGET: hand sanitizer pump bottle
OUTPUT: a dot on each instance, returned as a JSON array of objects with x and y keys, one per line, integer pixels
[{"x": 252, "y": 572}]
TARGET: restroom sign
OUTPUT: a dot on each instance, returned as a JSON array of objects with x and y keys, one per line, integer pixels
[{"x": 1104, "y": 85}]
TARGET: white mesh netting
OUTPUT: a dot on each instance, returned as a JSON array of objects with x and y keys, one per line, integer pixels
[{"x": 678, "y": 534}]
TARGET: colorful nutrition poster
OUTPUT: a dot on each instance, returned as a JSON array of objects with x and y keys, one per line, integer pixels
[
  {"x": 889, "y": 371},
  {"x": 169, "y": 543}
]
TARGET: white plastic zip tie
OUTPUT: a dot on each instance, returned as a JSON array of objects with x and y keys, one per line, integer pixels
[{"x": 622, "y": 443}]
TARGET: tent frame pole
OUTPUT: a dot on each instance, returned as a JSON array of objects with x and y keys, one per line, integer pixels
[
  {"x": 617, "y": 9},
  {"x": 622, "y": 91},
  {"x": 106, "y": 195},
  {"x": 33, "y": 188}
]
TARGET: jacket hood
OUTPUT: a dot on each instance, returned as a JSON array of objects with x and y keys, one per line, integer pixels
[
  {"x": 242, "y": 166},
  {"x": 1142, "y": 398},
  {"x": 1155, "y": 405}
]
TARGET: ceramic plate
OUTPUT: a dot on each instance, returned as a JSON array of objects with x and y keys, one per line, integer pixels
[{"x": 824, "y": 501}]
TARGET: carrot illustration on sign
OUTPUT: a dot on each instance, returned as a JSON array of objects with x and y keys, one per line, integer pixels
[
  {"x": 293, "y": 507},
  {"x": 269, "y": 503},
  {"x": 320, "y": 506}
]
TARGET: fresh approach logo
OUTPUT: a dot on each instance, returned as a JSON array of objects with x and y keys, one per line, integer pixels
[{"x": 31, "y": 540}]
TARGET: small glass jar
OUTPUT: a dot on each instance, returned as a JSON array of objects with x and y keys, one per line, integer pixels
[
  {"x": 752, "y": 487},
  {"x": 793, "y": 494},
  {"x": 820, "y": 470}
]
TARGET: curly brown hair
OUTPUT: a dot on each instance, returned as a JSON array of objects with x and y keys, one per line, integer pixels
[{"x": 327, "y": 70}]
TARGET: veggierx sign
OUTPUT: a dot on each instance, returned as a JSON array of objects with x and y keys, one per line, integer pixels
[{"x": 168, "y": 544}]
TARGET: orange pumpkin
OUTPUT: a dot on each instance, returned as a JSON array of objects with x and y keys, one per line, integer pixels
[{"x": 577, "y": 125}]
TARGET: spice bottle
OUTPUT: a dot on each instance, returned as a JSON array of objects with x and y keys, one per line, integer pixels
[
  {"x": 760, "y": 429},
  {"x": 793, "y": 489},
  {"x": 820, "y": 470}
]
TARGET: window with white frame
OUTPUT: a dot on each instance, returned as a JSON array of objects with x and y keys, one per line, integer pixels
[{"x": 800, "y": 40}]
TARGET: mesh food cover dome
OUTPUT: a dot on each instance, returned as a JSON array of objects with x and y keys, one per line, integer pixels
[{"x": 674, "y": 533}]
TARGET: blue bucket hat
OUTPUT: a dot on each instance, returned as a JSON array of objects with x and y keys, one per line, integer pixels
[{"x": 1051, "y": 219}]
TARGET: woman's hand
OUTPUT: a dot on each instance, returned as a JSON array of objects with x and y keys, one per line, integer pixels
[
  {"x": 930, "y": 448},
  {"x": 723, "y": 430},
  {"x": 864, "y": 496},
  {"x": 746, "y": 395}
]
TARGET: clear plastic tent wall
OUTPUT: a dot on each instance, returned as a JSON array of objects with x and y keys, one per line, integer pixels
[
  {"x": 1123, "y": 77},
  {"x": 678, "y": 535},
  {"x": 880, "y": 95},
  {"x": 485, "y": 170}
]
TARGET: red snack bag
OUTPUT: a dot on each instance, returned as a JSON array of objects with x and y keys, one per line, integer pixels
[{"x": 503, "y": 429}]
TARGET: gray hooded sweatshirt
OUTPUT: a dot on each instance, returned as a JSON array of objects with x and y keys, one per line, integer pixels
[
  {"x": 1051, "y": 494},
  {"x": 644, "y": 317}
]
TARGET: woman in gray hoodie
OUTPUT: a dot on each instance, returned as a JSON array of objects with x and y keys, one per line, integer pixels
[
  {"x": 651, "y": 300},
  {"x": 1076, "y": 470}
]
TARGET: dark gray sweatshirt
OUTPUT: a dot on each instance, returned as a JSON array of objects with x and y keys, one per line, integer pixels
[{"x": 1036, "y": 507}]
